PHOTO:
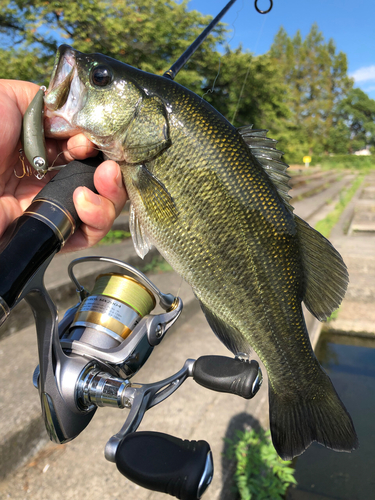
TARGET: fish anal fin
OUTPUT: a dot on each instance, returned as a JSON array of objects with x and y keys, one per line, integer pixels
[
  {"x": 297, "y": 420},
  {"x": 227, "y": 334},
  {"x": 325, "y": 273}
]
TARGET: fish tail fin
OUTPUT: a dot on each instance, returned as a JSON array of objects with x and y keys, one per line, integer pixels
[{"x": 298, "y": 420}]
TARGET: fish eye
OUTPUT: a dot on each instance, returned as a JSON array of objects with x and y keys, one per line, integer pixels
[{"x": 101, "y": 76}]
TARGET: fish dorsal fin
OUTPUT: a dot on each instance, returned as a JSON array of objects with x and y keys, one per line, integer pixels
[
  {"x": 325, "y": 273},
  {"x": 263, "y": 148},
  {"x": 141, "y": 243}
]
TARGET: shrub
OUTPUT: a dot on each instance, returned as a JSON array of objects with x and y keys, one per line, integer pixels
[
  {"x": 260, "y": 472},
  {"x": 344, "y": 161}
]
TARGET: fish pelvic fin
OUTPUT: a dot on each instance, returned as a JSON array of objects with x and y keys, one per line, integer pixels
[
  {"x": 325, "y": 273},
  {"x": 297, "y": 421},
  {"x": 141, "y": 242},
  {"x": 155, "y": 196},
  {"x": 229, "y": 335}
]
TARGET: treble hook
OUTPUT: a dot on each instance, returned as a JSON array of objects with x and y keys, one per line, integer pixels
[
  {"x": 26, "y": 170},
  {"x": 263, "y": 11}
]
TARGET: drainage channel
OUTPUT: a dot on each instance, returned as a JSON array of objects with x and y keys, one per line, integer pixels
[{"x": 324, "y": 474}]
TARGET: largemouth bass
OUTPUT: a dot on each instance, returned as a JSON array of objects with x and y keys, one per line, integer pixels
[{"x": 214, "y": 201}]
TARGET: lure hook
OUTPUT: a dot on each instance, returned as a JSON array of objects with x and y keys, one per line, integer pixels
[
  {"x": 263, "y": 11},
  {"x": 26, "y": 170}
]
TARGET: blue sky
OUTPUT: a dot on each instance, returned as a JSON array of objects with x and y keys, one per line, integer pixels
[{"x": 351, "y": 24}]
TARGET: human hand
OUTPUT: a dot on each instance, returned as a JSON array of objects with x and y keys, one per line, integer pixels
[{"x": 97, "y": 211}]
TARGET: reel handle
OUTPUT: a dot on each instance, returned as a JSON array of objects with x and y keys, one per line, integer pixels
[
  {"x": 223, "y": 374},
  {"x": 160, "y": 462}
]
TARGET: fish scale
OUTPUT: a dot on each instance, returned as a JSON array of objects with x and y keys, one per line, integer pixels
[{"x": 214, "y": 201}]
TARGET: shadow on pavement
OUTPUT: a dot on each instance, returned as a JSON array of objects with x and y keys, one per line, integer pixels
[{"x": 241, "y": 422}]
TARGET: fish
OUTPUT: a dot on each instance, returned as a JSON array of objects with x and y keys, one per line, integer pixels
[{"x": 213, "y": 199}]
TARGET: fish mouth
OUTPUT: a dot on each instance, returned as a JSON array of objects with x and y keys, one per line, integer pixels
[{"x": 64, "y": 96}]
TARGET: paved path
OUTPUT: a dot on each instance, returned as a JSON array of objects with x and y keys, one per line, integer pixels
[{"x": 357, "y": 313}]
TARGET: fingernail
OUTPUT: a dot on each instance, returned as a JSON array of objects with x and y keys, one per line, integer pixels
[
  {"x": 91, "y": 197},
  {"x": 118, "y": 179}
]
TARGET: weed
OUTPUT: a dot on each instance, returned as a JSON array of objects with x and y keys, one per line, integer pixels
[
  {"x": 260, "y": 472},
  {"x": 326, "y": 225},
  {"x": 157, "y": 265},
  {"x": 114, "y": 236},
  {"x": 334, "y": 315}
]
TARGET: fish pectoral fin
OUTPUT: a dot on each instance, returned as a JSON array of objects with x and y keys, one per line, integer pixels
[
  {"x": 141, "y": 242},
  {"x": 148, "y": 132},
  {"x": 326, "y": 275},
  {"x": 227, "y": 334},
  {"x": 155, "y": 197},
  {"x": 314, "y": 414}
]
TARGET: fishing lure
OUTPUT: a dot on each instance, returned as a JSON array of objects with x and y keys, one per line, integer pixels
[{"x": 32, "y": 136}]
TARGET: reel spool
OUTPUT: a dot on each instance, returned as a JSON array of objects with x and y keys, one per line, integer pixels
[{"x": 109, "y": 315}]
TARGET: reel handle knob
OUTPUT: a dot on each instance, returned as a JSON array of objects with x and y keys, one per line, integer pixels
[
  {"x": 223, "y": 374},
  {"x": 161, "y": 462}
]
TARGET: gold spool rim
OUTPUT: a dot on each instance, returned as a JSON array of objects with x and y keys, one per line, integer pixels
[{"x": 119, "y": 275}]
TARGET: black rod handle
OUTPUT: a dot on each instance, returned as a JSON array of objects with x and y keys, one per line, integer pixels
[
  {"x": 60, "y": 188},
  {"x": 223, "y": 374},
  {"x": 160, "y": 462},
  {"x": 41, "y": 231}
]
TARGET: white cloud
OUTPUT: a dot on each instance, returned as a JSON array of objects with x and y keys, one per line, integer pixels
[{"x": 367, "y": 73}]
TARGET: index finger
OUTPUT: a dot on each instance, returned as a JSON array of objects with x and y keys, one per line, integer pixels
[{"x": 77, "y": 147}]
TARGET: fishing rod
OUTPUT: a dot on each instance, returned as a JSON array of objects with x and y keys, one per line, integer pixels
[{"x": 183, "y": 59}]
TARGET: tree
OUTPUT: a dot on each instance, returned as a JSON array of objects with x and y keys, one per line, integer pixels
[
  {"x": 357, "y": 111},
  {"x": 147, "y": 34},
  {"x": 247, "y": 89},
  {"x": 317, "y": 79}
]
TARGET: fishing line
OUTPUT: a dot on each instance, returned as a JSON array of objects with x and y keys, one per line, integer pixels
[
  {"x": 248, "y": 71},
  {"x": 233, "y": 23},
  {"x": 179, "y": 288},
  {"x": 212, "y": 89},
  {"x": 59, "y": 167}
]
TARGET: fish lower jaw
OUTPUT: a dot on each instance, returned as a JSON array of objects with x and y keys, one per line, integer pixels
[{"x": 57, "y": 126}]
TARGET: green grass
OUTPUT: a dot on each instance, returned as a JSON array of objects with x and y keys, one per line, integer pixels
[
  {"x": 334, "y": 315},
  {"x": 326, "y": 225},
  {"x": 353, "y": 162},
  {"x": 157, "y": 265},
  {"x": 114, "y": 236},
  {"x": 260, "y": 472}
]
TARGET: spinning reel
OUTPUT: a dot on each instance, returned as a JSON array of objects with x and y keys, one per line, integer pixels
[{"x": 88, "y": 359}]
